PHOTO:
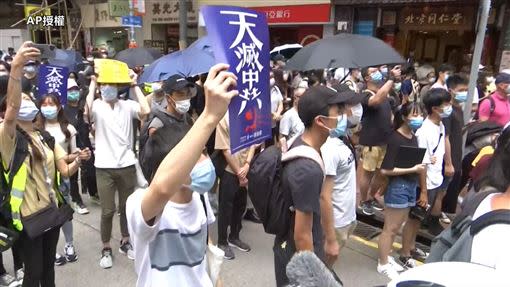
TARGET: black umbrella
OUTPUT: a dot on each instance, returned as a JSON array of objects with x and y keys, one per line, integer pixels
[
  {"x": 344, "y": 50},
  {"x": 138, "y": 56},
  {"x": 67, "y": 58}
]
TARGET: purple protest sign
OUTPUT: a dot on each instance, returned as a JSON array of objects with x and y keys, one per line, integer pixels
[
  {"x": 240, "y": 38},
  {"x": 53, "y": 79}
]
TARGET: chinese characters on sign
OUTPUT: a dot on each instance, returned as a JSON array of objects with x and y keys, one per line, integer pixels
[
  {"x": 278, "y": 14},
  {"x": 435, "y": 18},
  {"x": 119, "y": 8},
  {"x": 168, "y": 12},
  {"x": 240, "y": 38},
  {"x": 53, "y": 79}
]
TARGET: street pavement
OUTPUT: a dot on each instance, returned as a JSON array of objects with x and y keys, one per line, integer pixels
[{"x": 356, "y": 266}]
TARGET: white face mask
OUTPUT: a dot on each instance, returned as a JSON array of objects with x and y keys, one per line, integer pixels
[
  {"x": 109, "y": 93},
  {"x": 183, "y": 106},
  {"x": 272, "y": 82},
  {"x": 357, "y": 114}
]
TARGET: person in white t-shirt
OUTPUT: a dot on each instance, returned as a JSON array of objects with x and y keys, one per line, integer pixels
[
  {"x": 445, "y": 71},
  {"x": 276, "y": 108},
  {"x": 432, "y": 136},
  {"x": 291, "y": 125},
  {"x": 339, "y": 188},
  {"x": 114, "y": 157},
  {"x": 167, "y": 220}
]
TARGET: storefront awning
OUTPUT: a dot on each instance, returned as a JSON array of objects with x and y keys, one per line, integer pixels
[{"x": 297, "y": 14}]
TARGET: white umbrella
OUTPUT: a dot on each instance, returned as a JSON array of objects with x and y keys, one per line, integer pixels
[{"x": 287, "y": 50}]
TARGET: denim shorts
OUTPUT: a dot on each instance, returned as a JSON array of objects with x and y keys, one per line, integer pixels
[{"x": 401, "y": 193}]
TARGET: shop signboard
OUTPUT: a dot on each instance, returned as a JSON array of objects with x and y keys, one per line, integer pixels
[
  {"x": 98, "y": 16},
  {"x": 437, "y": 18},
  {"x": 312, "y": 14},
  {"x": 167, "y": 12},
  {"x": 119, "y": 8},
  {"x": 132, "y": 21},
  {"x": 155, "y": 44}
]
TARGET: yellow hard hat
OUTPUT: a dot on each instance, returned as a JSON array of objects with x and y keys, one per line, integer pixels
[{"x": 112, "y": 71}]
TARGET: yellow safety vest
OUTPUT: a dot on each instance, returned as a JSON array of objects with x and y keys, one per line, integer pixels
[{"x": 16, "y": 196}]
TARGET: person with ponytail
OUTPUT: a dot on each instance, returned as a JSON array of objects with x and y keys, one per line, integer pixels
[
  {"x": 35, "y": 185},
  {"x": 400, "y": 195},
  {"x": 56, "y": 124}
]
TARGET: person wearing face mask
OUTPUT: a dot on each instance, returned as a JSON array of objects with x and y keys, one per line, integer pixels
[
  {"x": 400, "y": 194},
  {"x": 458, "y": 87},
  {"x": 291, "y": 125},
  {"x": 432, "y": 136},
  {"x": 4, "y": 68},
  {"x": 496, "y": 108},
  {"x": 444, "y": 72},
  {"x": 384, "y": 71},
  {"x": 34, "y": 183},
  {"x": 353, "y": 80},
  {"x": 339, "y": 187},
  {"x": 114, "y": 157},
  {"x": 375, "y": 131},
  {"x": 168, "y": 220},
  {"x": 165, "y": 128},
  {"x": 56, "y": 124},
  {"x": 74, "y": 111},
  {"x": 319, "y": 109},
  {"x": 157, "y": 97},
  {"x": 29, "y": 79}
]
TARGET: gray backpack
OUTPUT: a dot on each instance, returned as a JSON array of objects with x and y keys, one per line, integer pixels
[{"x": 454, "y": 243}]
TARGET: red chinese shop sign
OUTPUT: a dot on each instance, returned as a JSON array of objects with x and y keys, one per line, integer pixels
[{"x": 318, "y": 13}]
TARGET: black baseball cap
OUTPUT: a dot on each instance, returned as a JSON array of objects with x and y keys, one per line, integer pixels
[
  {"x": 352, "y": 97},
  {"x": 176, "y": 83},
  {"x": 316, "y": 100},
  {"x": 503, "y": 78}
]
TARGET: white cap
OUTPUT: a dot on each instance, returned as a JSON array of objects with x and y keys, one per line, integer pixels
[
  {"x": 71, "y": 83},
  {"x": 302, "y": 85},
  {"x": 506, "y": 71}
]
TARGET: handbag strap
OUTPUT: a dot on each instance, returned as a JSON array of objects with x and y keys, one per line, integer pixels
[{"x": 202, "y": 198}]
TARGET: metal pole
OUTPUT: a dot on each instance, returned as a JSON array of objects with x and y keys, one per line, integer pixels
[
  {"x": 69, "y": 32},
  {"x": 183, "y": 24},
  {"x": 131, "y": 29},
  {"x": 473, "y": 77}
]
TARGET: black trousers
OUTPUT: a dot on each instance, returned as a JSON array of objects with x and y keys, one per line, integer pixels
[
  {"x": 283, "y": 250},
  {"x": 232, "y": 204},
  {"x": 16, "y": 256},
  {"x": 452, "y": 193},
  {"x": 75, "y": 190},
  {"x": 39, "y": 257},
  {"x": 88, "y": 177}
]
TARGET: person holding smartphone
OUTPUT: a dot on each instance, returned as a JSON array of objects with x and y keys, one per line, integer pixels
[{"x": 400, "y": 195}]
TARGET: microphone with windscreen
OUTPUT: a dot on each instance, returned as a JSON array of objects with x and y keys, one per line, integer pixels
[{"x": 305, "y": 269}]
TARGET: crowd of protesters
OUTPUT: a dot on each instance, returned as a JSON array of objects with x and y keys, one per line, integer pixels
[{"x": 166, "y": 152}]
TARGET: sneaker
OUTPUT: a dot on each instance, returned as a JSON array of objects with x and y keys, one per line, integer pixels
[
  {"x": 395, "y": 265},
  {"x": 95, "y": 199},
  {"x": 8, "y": 280},
  {"x": 127, "y": 249},
  {"x": 237, "y": 243},
  {"x": 407, "y": 262},
  {"x": 252, "y": 216},
  {"x": 388, "y": 270},
  {"x": 229, "y": 253},
  {"x": 20, "y": 274},
  {"x": 376, "y": 205},
  {"x": 60, "y": 260},
  {"x": 445, "y": 219},
  {"x": 69, "y": 253},
  {"x": 80, "y": 208},
  {"x": 367, "y": 208},
  {"x": 106, "y": 258},
  {"x": 419, "y": 254}
]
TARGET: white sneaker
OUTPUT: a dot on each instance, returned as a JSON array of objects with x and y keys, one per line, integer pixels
[
  {"x": 81, "y": 209},
  {"x": 70, "y": 253},
  {"x": 20, "y": 274},
  {"x": 395, "y": 265},
  {"x": 445, "y": 219},
  {"x": 388, "y": 270},
  {"x": 106, "y": 258}
]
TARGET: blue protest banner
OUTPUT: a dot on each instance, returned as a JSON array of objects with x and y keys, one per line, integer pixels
[
  {"x": 240, "y": 38},
  {"x": 53, "y": 79},
  {"x": 132, "y": 21}
]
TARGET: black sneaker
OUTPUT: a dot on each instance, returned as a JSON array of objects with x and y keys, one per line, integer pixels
[
  {"x": 376, "y": 205},
  {"x": 237, "y": 243},
  {"x": 252, "y": 216},
  {"x": 60, "y": 260},
  {"x": 367, "y": 208},
  {"x": 407, "y": 262},
  {"x": 229, "y": 253},
  {"x": 435, "y": 228},
  {"x": 419, "y": 254},
  {"x": 127, "y": 249}
]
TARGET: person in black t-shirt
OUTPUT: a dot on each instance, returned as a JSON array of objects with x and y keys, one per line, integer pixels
[
  {"x": 400, "y": 195},
  {"x": 375, "y": 131},
  {"x": 302, "y": 178},
  {"x": 458, "y": 88}
]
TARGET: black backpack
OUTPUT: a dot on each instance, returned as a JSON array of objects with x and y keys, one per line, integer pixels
[
  {"x": 454, "y": 244},
  {"x": 153, "y": 149},
  {"x": 272, "y": 203}
]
